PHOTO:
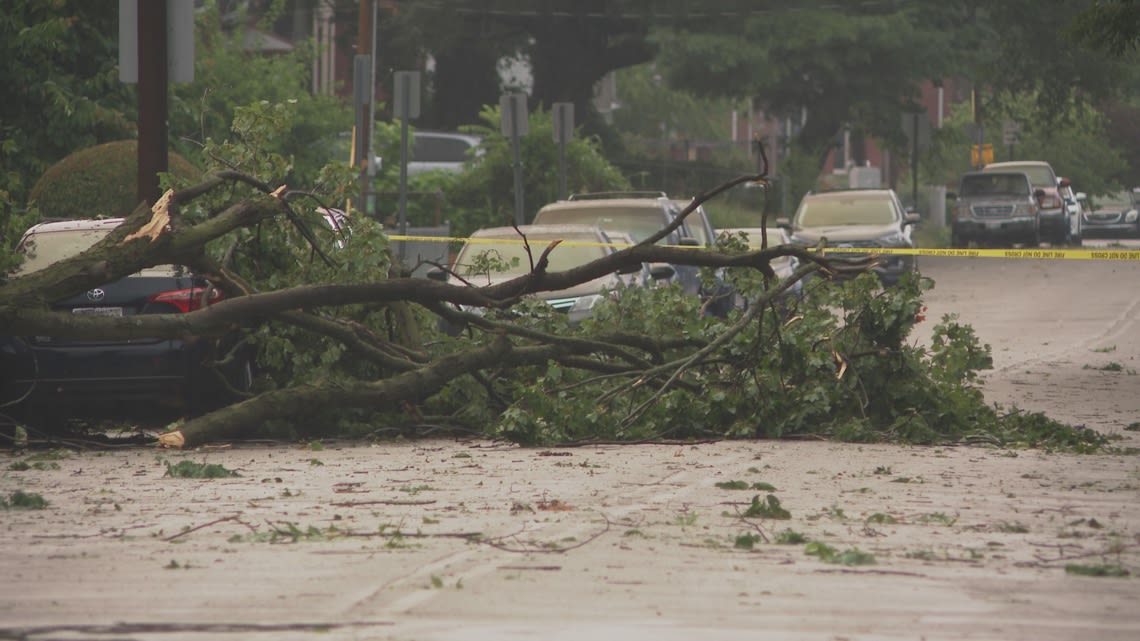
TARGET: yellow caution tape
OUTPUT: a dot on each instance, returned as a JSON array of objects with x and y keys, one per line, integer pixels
[{"x": 1105, "y": 253}]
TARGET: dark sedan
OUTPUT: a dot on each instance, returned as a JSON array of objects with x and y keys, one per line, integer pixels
[
  {"x": 44, "y": 379},
  {"x": 1114, "y": 215}
]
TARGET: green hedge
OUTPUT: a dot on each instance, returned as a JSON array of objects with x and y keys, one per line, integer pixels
[{"x": 97, "y": 181}]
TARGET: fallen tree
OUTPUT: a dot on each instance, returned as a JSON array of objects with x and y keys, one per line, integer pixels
[{"x": 344, "y": 338}]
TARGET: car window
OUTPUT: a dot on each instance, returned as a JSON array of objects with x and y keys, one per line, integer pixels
[
  {"x": 432, "y": 149},
  {"x": 854, "y": 210},
  {"x": 639, "y": 222},
  {"x": 994, "y": 185},
  {"x": 1039, "y": 175}
]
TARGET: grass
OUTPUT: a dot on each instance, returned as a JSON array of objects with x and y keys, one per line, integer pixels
[
  {"x": 686, "y": 519},
  {"x": 1112, "y": 571},
  {"x": 769, "y": 508},
  {"x": 932, "y": 236},
  {"x": 790, "y": 537},
  {"x": 744, "y": 485},
  {"x": 747, "y": 541},
  {"x": 828, "y": 554},
  {"x": 193, "y": 470},
  {"x": 1010, "y": 528},
  {"x": 20, "y": 500},
  {"x": 936, "y": 518}
]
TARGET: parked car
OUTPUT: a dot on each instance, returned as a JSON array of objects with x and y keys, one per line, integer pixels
[
  {"x": 784, "y": 266},
  {"x": 642, "y": 214},
  {"x": 858, "y": 218},
  {"x": 581, "y": 244},
  {"x": 441, "y": 151},
  {"x": 996, "y": 208},
  {"x": 45, "y": 379},
  {"x": 1055, "y": 226},
  {"x": 1117, "y": 214},
  {"x": 1074, "y": 210}
]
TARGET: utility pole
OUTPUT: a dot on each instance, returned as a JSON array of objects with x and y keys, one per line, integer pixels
[{"x": 152, "y": 98}]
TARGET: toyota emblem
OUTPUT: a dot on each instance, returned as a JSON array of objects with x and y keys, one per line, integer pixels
[{"x": 96, "y": 295}]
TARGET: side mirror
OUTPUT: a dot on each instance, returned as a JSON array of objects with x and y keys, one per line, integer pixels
[
  {"x": 951, "y": 196},
  {"x": 661, "y": 271},
  {"x": 689, "y": 241},
  {"x": 783, "y": 222},
  {"x": 912, "y": 218},
  {"x": 1064, "y": 182},
  {"x": 1082, "y": 195},
  {"x": 1038, "y": 193},
  {"x": 625, "y": 270},
  {"x": 437, "y": 274}
]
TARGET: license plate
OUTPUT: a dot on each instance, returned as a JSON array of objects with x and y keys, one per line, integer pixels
[
  {"x": 993, "y": 225},
  {"x": 98, "y": 311}
]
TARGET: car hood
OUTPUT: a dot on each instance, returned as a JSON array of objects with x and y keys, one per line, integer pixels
[{"x": 842, "y": 233}]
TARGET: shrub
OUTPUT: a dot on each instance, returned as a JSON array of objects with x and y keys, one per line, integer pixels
[{"x": 97, "y": 181}]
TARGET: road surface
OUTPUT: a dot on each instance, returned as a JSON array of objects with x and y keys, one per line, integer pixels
[{"x": 472, "y": 541}]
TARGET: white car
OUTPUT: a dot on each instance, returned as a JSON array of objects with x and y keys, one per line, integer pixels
[{"x": 1074, "y": 209}]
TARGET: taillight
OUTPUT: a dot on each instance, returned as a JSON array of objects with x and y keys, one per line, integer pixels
[{"x": 188, "y": 300}]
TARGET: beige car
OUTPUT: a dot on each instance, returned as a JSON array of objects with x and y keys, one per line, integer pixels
[{"x": 581, "y": 244}]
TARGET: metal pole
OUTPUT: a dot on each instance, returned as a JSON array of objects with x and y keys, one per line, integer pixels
[
  {"x": 370, "y": 197},
  {"x": 518, "y": 166},
  {"x": 404, "y": 171},
  {"x": 914, "y": 159},
  {"x": 562, "y": 170}
]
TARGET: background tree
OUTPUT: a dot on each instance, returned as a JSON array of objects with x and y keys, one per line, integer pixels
[
  {"x": 227, "y": 76},
  {"x": 59, "y": 86}
]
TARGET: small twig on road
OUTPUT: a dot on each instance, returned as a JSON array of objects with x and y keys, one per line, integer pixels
[
  {"x": 232, "y": 517},
  {"x": 657, "y": 441},
  {"x": 539, "y": 549},
  {"x": 383, "y": 502}
]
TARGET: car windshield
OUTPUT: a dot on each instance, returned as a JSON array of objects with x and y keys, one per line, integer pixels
[
  {"x": 1119, "y": 200},
  {"x": 994, "y": 185},
  {"x": 1039, "y": 175},
  {"x": 573, "y": 252},
  {"x": 776, "y": 236},
  {"x": 44, "y": 248},
  {"x": 845, "y": 210},
  {"x": 639, "y": 222}
]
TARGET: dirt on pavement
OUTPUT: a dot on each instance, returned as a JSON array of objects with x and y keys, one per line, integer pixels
[{"x": 476, "y": 540}]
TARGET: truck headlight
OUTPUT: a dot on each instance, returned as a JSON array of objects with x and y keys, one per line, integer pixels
[{"x": 1131, "y": 216}]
